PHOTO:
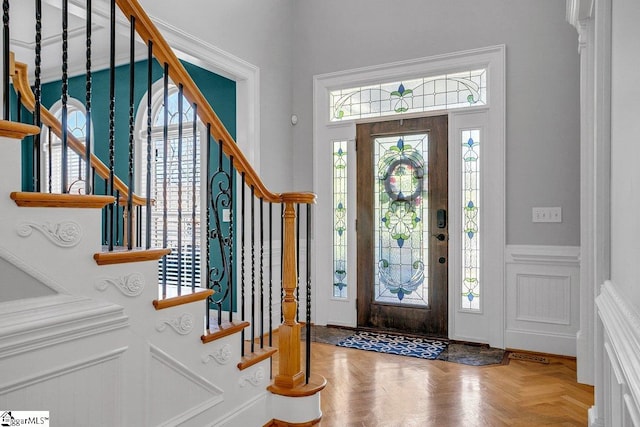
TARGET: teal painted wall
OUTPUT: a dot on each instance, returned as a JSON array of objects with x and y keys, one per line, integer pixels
[{"x": 219, "y": 91}]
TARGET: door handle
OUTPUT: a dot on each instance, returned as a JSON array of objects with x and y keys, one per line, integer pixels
[
  {"x": 441, "y": 217},
  {"x": 440, "y": 236}
]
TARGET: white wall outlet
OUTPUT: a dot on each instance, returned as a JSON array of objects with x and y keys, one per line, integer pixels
[
  {"x": 546, "y": 214},
  {"x": 226, "y": 215}
]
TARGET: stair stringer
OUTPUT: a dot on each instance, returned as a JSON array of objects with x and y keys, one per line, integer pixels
[{"x": 35, "y": 240}]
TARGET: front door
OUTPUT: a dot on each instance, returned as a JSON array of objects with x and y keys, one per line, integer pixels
[{"x": 402, "y": 225}]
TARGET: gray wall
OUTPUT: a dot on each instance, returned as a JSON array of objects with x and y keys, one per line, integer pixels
[
  {"x": 259, "y": 32},
  {"x": 543, "y": 154},
  {"x": 625, "y": 156}
]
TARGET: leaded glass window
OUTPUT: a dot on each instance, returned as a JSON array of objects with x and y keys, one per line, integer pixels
[
  {"x": 470, "y": 219},
  {"x": 401, "y": 234},
  {"x": 340, "y": 219},
  {"x": 52, "y": 152},
  {"x": 447, "y": 91}
]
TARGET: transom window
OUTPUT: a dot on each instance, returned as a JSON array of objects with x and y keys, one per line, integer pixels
[{"x": 446, "y": 91}]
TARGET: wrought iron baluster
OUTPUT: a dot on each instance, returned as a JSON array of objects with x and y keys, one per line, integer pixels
[
  {"x": 220, "y": 276},
  {"x": 253, "y": 270},
  {"x": 65, "y": 95},
  {"x": 149, "y": 99},
  {"x": 87, "y": 184},
  {"x": 165, "y": 164},
  {"x": 194, "y": 170},
  {"x": 180, "y": 129},
  {"x": 208, "y": 223},
  {"x": 37, "y": 91},
  {"x": 117, "y": 221},
  {"x": 298, "y": 262},
  {"x": 270, "y": 274},
  {"x": 231, "y": 235},
  {"x": 50, "y": 160},
  {"x": 261, "y": 273},
  {"x": 242, "y": 262},
  {"x": 308, "y": 269},
  {"x": 106, "y": 211},
  {"x": 113, "y": 210},
  {"x": 93, "y": 179},
  {"x": 132, "y": 78},
  {"x": 6, "y": 104}
]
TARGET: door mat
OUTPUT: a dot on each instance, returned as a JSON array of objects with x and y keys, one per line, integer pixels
[
  {"x": 529, "y": 357},
  {"x": 422, "y": 348}
]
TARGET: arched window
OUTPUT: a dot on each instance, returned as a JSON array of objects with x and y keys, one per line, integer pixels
[
  {"x": 51, "y": 164},
  {"x": 175, "y": 185}
]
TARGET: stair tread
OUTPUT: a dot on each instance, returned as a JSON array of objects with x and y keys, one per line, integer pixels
[
  {"x": 55, "y": 200},
  {"x": 216, "y": 332},
  {"x": 17, "y": 130},
  {"x": 197, "y": 295},
  {"x": 258, "y": 355},
  {"x": 121, "y": 255}
]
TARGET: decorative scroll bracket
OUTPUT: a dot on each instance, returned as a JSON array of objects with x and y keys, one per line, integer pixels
[
  {"x": 182, "y": 324},
  {"x": 130, "y": 285},
  {"x": 221, "y": 355},
  {"x": 254, "y": 378},
  {"x": 66, "y": 234}
]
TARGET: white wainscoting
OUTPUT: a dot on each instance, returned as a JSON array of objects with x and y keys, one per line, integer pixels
[
  {"x": 542, "y": 298},
  {"x": 619, "y": 341}
]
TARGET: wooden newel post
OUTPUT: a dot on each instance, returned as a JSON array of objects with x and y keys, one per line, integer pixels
[{"x": 289, "y": 373}]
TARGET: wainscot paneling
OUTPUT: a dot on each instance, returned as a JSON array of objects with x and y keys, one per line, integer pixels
[{"x": 542, "y": 298}]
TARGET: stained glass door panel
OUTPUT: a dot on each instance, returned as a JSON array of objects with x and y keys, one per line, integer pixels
[{"x": 402, "y": 233}]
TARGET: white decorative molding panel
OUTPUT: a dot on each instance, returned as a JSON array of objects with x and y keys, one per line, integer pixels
[
  {"x": 254, "y": 378},
  {"x": 65, "y": 234},
  {"x": 83, "y": 389},
  {"x": 542, "y": 298},
  {"x": 32, "y": 324},
  {"x": 182, "y": 324},
  {"x": 171, "y": 381},
  {"x": 130, "y": 285},
  {"x": 222, "y": 355}
]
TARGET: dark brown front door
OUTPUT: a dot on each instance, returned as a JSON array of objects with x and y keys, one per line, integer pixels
[{"x": 402, "y": 225}]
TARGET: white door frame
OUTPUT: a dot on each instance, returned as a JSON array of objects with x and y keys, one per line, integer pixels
[{"x": 486, "y": 325}]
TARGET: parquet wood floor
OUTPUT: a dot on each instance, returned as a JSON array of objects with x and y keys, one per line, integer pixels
[{"x": 367, "y": 389}]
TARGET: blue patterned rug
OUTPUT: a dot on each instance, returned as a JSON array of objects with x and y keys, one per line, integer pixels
[{"x": 395, "y": 344}]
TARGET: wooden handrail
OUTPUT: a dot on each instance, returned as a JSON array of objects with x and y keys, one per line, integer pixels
[
  {"x": 179, "y": 75},
  {"x": 20, "y": 79}
]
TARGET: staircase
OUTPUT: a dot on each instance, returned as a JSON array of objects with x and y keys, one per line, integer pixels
[{"x": 87, "y": 330}]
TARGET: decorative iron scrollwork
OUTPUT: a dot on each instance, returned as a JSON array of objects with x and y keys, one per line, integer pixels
[{"x": 220, "y": 199}]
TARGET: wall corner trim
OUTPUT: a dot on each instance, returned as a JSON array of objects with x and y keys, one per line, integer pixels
[{"x": 621, "y": 324}]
